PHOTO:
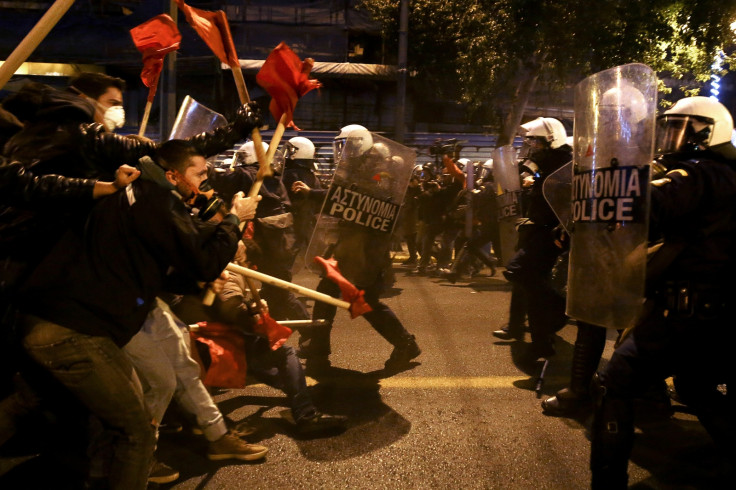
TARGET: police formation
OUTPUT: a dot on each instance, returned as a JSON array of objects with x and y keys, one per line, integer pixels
[{"x": 96, "y": 301}]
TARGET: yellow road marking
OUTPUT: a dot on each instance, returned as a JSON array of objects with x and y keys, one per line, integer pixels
[
  {"x": 452, "y": 382},
  {"x": 435, "y": 382}
]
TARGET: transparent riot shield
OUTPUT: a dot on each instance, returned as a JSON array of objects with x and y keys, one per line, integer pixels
[
  {"x": 612, "y": 151},
  {"x": 362, "y": 205},
  {"x": 557, "y": 191},
  {"x": 508, "y": 191},
  {"x": 194, "y": 118}
]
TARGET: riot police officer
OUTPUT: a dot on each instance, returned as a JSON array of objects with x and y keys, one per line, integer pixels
[
  {"x": 686, "y": 329},
  {"x": 531, "y": 267},
  {"x": 363, "y": 166},
  {"x": 304, "y": 187}
]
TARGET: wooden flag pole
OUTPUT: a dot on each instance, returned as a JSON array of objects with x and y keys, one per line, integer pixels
[
  {"x": 33, "y": 39},
  {"x": 289, "y": 286},
  {"x": 144, "y": 121}
]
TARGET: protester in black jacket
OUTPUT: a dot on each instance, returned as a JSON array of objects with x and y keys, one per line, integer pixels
[{"x": 93, "y": 291}]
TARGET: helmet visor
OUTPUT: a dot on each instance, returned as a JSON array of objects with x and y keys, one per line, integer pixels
[
  {"x": 289, "y": 151},
  {"x": 337, "y": 146},
  {"x": 277, "y": 164},
  {"x": 676, "y": 133}
]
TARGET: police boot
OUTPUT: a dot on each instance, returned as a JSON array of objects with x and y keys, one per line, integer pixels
[
  {"x": 315, "y": 349},
  {"x": 612, "y": 437},
  {"x": 455, "y": 271},
  {"x": 404, "y": 351},
  {"x": 586, "y": 355},
  {"x": 489, "y": 260}
]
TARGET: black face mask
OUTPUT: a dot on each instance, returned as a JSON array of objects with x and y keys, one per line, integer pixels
[{"x": 206, "y": 201}]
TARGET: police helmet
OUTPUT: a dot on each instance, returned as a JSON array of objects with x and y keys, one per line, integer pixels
[
  {"x": 357, "y": 143},
  {"x": 486, "y": 171},
  {"x": 548, "y": 129},
  {"x": 380, "y": 150},
  {"x": 299, "y": 148},
  {"x": 246, "y": 155},
  {"x": 462, "y": 164},
  {"x": 693, "y": 123},
  {"x": 339, "y": 144},
  {"x": 626, "y": 102}
]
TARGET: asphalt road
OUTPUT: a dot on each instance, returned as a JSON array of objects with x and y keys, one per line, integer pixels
[{"x": 464, "y": 416}]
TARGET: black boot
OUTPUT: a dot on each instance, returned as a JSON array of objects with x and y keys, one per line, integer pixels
[
  {"x": 404, "y": 351},
  {"x": 611, "y": 440},
  {"x": 489, "y": 260},
  {"x": 457, "y": 266},
  {"x": 586, "y": 355}
]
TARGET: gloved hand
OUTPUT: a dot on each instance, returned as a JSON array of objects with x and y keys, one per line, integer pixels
[
  {"x": 248, "y": 118},
  {"x": 244, "y": 207}
]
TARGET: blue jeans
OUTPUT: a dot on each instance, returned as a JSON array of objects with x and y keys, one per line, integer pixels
[
  {"x": 282, "y": 370},
  {"x": 96, "y": 371}
]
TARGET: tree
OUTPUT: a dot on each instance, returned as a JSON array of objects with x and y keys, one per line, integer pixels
[{"x": 491, "y": 53}]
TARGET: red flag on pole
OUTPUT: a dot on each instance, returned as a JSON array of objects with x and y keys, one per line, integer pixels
[
  {"x": 227, "y": 351},
  {"x": 155, "y": 38},
  {"x": 214, "y": 30},
  {"x": 286, "y": 78},
  {"x": 276, "y": 333},
  {"x": 350, "y": 293}
]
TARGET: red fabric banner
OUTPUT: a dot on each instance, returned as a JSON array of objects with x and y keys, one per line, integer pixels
[
  {"x": 268, "y": 327},
  {"x": 227, "y": 350},
  {"x": 214, "y": 30},
  {"x": 155, "y": 38},
  {"x": 286, "y": 78},
  {"x": 350, "y": 293}
]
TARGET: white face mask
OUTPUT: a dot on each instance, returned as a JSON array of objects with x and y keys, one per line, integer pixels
[{"x": 114, "y": 117}]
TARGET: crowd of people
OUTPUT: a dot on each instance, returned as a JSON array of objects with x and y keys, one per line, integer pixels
[{"x": 108, "y": 243}]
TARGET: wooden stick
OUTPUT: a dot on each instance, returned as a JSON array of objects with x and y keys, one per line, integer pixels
[
  {"x": 255, "y": 135},
  {"x": 146, "y": 114},
  {"x": 276, "y": 138},
  {"x": 33, "y": 39},
  {"x": 289, "y": 286}
]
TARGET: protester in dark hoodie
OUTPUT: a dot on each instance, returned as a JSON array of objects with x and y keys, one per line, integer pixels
[
  {"x": 60, "y": 136},
  {"x": 74, "y": 328}
]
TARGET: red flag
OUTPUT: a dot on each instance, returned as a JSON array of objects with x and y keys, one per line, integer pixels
[
  {"x": 350, "y": 293},
  {"x": 155, "y": 38},
  {"x": 286, "y": 78},
  {"x": 277, "y": 334},
  {"x": 214, "y": 30},
  {"x": 227, "y": 350}
]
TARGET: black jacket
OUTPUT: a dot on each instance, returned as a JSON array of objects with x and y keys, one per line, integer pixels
[
  {"x": 274, "y": 197},
  {"x": 695, "y": 205},
  {"x": 19, "y": 187},
  {"x": 61, "y": 138},
  {"x": 102, "y": 278},
  {"x": 538, "y": 210}
]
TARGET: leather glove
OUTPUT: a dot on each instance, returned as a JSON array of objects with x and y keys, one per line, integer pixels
[{"x": 248, "y": 118}]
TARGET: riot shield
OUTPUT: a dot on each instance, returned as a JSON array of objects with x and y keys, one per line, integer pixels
[
  {"x": 557, "y": 191},
  {"x": 362, "y": 205},
  {"x": 194, "y": 118},
  {"x": 612, "y": 151},
  {"x": 508, "y": 191}
]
